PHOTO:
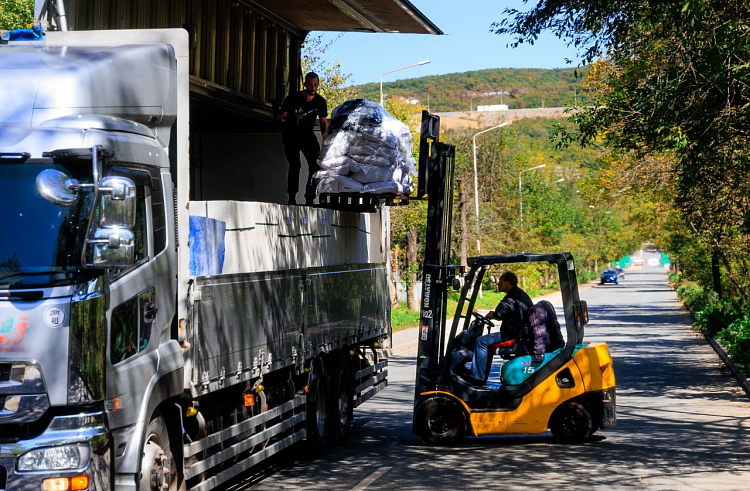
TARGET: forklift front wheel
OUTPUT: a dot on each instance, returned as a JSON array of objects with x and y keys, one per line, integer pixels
[
  {"x": 571, "y": 423},
  {"x": 440, "y": 420}
]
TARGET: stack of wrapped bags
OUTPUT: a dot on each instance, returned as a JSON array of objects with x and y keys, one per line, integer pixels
[{"x": 366, "y": 150}]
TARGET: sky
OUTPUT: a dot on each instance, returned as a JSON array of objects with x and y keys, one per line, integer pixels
[{"x": 466, "y": 45}]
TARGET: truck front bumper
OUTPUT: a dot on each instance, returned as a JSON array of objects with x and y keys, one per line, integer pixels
[{"x": 83, "y": 429}]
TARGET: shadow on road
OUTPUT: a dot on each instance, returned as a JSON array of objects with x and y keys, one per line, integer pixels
[{"x": 681, "y": 423}]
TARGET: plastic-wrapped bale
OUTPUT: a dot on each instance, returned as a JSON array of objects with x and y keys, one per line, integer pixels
[
  {"x": 370, "y": 146},
  {"x": 335, "y": 184}
]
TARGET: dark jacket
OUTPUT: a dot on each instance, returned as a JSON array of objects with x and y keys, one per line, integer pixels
[
  {"x": 542, "y": 331},
  {"x": 513, "y": 311},
  {"x": 513, "y": 314}
]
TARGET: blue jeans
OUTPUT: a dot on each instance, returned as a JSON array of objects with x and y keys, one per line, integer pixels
[{"x": 480, "y": 365}]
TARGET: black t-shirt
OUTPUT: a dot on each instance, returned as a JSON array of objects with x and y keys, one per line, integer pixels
[{"x": 301, "y": 114}]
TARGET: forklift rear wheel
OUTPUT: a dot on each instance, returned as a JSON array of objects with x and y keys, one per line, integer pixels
[
  {"x": 440, "y": 421},
  {"x": 571, "y": 423}
]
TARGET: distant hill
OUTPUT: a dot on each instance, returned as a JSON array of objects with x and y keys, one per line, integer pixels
[{"x": 519, "y": 88}]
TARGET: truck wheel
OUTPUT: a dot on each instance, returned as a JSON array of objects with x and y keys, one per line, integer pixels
[
  {"x": 341, "y": 400},
  {"x": 317, "y": 410},
  {"x": 440, "y": 421},
  {"x": 158, "y": 467},
  {"x": 571, "y": 423}
]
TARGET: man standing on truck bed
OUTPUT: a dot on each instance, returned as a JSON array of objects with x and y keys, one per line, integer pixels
[{"x": 298, "y": 114}]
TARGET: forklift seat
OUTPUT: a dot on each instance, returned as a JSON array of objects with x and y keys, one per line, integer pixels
[{"x": 497, "y": 348}]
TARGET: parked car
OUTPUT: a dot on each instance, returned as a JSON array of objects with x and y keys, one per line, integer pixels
[
  {"x": 620, "y": 272},
  {"x": 609, "y": 276}
]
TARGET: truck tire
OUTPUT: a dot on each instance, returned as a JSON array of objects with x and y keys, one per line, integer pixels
[
  {"x": 159, "y": 471},
  {"x": 571, "y": 423},
  {"x": 317, "y": 410},
  {"x": 440, "y": 421},
  {"x": 341, "y": 398}
]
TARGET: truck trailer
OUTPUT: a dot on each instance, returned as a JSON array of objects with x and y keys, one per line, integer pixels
[{"x": 165, "y": 321}]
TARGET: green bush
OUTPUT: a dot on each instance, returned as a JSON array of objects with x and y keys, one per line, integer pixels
[
  {"x": 736, "y": 339},
  {"x": 695, "y": 296},
  {"x": 716, "y": 316}
]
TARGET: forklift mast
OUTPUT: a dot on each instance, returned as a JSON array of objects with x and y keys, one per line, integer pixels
[{"x": 436, "y": 166}]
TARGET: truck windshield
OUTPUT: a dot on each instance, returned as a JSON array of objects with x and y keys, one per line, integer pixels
[{"x": 41, "y": 241}]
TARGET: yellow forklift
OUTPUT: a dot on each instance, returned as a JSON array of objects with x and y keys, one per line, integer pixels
[{"x": 571, "y": 392}]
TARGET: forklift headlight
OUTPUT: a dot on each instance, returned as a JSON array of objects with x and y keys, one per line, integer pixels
[{"x": 58, "y": 458}]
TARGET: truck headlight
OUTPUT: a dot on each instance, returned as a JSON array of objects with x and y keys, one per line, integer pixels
[{"x": 58, "y": 458}]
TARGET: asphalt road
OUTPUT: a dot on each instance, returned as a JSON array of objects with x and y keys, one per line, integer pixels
[{"x": 683, "y": 423}]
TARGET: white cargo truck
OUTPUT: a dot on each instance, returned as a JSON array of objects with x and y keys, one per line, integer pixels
[{"x": 165, "y": 323}]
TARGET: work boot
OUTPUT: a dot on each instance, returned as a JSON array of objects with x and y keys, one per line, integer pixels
[
  {"x": 292, "y": 200},
  {"x": 310, "y": 200}
]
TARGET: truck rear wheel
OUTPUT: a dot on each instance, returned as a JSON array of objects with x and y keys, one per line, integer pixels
[
  {"x": 317, "y": 409},
  {"x": 158, "y": 466},
  {"x": 440, "y": 421},
  {"x": 341, "y": 400},
  {"x": 571, "y": 423}
]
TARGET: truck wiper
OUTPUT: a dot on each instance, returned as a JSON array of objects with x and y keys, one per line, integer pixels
[
  {"x": 14, "y": 158},
  {"x": 35, "y": 273}
]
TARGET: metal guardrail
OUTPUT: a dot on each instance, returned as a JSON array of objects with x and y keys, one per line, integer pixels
[
  {"x": 211, "y": 461},
  {"x": 372, "y": 384}
]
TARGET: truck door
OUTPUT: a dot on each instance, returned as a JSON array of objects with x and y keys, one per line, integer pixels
[{"x": 141, "y": 306}]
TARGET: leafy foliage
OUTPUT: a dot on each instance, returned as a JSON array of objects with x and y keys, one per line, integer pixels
[
  {"x": 670, "y": 97},
  {"x": 16, "y": 14},
  {"x": 576, "y": 215},
  {"x": 332, "y": 80}
]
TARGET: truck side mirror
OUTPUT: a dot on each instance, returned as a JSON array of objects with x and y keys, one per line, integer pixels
[
  {"x": 113, "y": 248},
  {"x": 56, "y": 187},
  {"x": 118, "y": 199}
]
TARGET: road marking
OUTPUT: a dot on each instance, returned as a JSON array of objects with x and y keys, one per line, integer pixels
[{"x": 370, "y": 479}]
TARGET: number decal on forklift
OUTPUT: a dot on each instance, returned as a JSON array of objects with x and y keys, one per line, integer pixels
[
  {"x": 427, "y": 314},
  {"x": 528, "y": 369}
]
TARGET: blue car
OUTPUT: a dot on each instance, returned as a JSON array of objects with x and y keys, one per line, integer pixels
[{"x": 609, "y": 276}]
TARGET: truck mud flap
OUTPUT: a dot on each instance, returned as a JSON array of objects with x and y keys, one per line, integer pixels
[
  {"x": 370, "y": 381},
  {"x": 290, "y": 424}
]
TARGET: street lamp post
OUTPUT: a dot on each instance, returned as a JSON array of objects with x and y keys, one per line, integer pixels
[
  {"x": 520, "y": 188},
  {"x": 476, "y": 183},
  {"x": 423, "y": 62}
]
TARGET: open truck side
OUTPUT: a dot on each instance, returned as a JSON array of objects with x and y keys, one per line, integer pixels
[{"x": 164, "y": 321}]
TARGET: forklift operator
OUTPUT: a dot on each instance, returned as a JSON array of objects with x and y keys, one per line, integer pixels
[{"x": 512, "y": 310}]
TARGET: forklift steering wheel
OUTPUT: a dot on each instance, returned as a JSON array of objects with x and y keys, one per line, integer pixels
[{"x": 484, "y": 320}]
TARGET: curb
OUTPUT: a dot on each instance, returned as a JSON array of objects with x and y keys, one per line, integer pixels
[
  {"x": 738, "y": 374},
  {"x": 742, "y": 379}
]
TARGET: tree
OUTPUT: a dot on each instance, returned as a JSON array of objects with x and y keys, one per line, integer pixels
[
  {"x": 332, "y": 80},
  {"x": 16, "y": 14},
  {"x": 669, "y": 79}
]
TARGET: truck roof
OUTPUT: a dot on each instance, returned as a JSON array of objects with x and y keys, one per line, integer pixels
[
  {"x": 347, "y": 15},
  {"x": 82, "y": 88}
]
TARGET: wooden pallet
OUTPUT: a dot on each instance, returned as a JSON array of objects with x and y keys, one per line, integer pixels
[{"x": 361, "y": 202}]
